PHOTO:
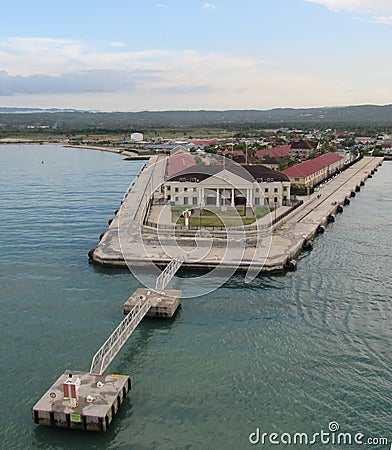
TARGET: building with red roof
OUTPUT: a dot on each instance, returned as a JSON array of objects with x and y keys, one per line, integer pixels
[
  {"x": 314, "y": 171},
  {"x": 204, "y": 142},
  {"x": 178, "y": 162},
  {"x": 274, "y": 152}
]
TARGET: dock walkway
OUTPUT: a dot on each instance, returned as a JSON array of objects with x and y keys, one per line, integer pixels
[{"x": 138, "y": 248}]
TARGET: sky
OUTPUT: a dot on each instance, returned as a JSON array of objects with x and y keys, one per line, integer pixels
[{"x": 133, "y": 55}]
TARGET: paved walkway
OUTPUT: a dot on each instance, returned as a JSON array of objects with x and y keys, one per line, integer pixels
[{"x": 124, "y": 237}]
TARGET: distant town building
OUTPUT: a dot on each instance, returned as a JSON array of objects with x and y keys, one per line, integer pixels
[
  {"x": 137, "y": 137},
  {"x": 304, "y": 148},
  {"x": 274, "y": 152},
  {"x": 314, "y": 171},
  {"x": 348, "y": 156},
  {"x": 233, "y": 153},
  {"x": 227, "y": 185},
  {"x": 204, "y": 142},
  {"x": 180, "y": 160}
]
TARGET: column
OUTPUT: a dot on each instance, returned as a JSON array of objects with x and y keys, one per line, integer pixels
[
  {"x": 232, "y": 197},
  {"x": 217, "y": 198}
]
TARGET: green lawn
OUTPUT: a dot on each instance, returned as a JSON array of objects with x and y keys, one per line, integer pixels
[
  {"x": 216, "y": 221},
  {"x": 219, "y": 219},
  {"x": 262, "y": 211},
  {"x": 228, "y": 213}
]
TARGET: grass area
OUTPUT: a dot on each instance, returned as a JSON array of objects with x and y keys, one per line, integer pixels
[
  {"x": 228, "y": 213},
  {"x": 220, "y": 218},
  {"x": 216, "y": 221},
  {"x": 262, "y": 211}
]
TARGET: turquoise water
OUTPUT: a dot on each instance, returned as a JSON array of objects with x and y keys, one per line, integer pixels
[{"x": 286, "y": 354}]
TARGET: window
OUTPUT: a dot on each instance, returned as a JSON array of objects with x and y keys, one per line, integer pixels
[
  {"x": 185, "y": 200},
  {"x": 257, "y": 189},
  {"x": 266, "y": 190},
  {"x": 176, "y": 189},
  {"x": 275, "y": 199},
  {"x": 176, "y": 199},
  {"x": 285, "y": 188},
  {"x": 275, "y": 189},
  {"x": 194, "y": 200},
  {"x": 168, "y": 188},
  {"x": 194, "y": 189},
  {"x": 257, "y": 201},
  {"x": 185, "y": 189},
  {"x": 266, "y": 201},
  {"x": 296, "y": 179}
]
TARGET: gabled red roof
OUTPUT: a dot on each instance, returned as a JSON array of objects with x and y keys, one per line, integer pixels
[
  {"x": 204, "y": 142},
  {"x": 178, "y": 162},
  {"x": 311, "y": 166},
  {"x": 274, "y": 152}
]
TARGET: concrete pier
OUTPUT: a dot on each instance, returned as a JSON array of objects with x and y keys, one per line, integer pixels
[
  {"x": 164, "y": 304},
  {"x": 99, "y": 398},
  {"x": 141, "y": 245}
]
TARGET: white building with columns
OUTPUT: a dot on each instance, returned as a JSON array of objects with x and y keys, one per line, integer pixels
[{"x": 199, "y": 186}]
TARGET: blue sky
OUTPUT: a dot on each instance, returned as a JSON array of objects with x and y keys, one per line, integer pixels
[{"x": 190, "y": 54}]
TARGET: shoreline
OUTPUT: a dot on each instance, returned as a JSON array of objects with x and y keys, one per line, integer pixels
[{"x": 129, "y": 155}]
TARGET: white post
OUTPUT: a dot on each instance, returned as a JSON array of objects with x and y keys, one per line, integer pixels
[{"x": 232, "y": 197}]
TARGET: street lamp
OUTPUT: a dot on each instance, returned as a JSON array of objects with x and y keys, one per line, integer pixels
[{"x": 275, "y": 203}]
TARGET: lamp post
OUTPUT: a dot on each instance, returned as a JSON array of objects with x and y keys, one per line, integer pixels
[{"x": 275, "y": 203}]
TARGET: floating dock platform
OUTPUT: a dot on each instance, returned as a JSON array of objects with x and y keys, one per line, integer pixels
[
  {"x": 99, "y": 399},
  {"x": 164, "y": 304}
]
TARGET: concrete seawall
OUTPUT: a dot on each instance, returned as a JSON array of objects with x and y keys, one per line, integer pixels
[{"x": 139, "y": 246}]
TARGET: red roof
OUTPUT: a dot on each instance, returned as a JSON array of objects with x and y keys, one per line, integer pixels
[
  {"x": 274, "y": 152},
  {"x": 178, "y": 162},
  {"x": 204, "y": 142},
  {"x": 306, "y": 168}
]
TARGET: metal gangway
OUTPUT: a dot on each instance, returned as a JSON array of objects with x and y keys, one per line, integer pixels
[
  {"x": 120, "y": 335},
  {"x": 166, "y": 276}
]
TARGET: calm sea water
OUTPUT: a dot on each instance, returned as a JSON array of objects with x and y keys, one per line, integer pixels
[{"x": 286, "y": 354}]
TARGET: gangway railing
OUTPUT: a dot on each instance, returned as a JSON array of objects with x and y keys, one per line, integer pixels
[
  {"x": 117, "y": 339},
  {"x": 167, "y": 275}
]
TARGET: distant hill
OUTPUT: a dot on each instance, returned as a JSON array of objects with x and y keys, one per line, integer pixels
[{"x": 350, "y": 116}]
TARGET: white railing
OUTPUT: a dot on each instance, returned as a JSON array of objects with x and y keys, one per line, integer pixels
[
  {"x": 117, "y": 339},
  {"x": 167, "y": 275}
]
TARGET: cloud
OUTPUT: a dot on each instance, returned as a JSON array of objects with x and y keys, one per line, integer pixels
[
  {"x": 383, "y": 19},
  {"x": 207, "y": 5},
  {"x": 368, "y": 7},
  {"x": 77, "y": 75},
  {"x": 161, "y": 5},
  {"x": 118, "y": 44},
  {"x": 86, "y": 81}
]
